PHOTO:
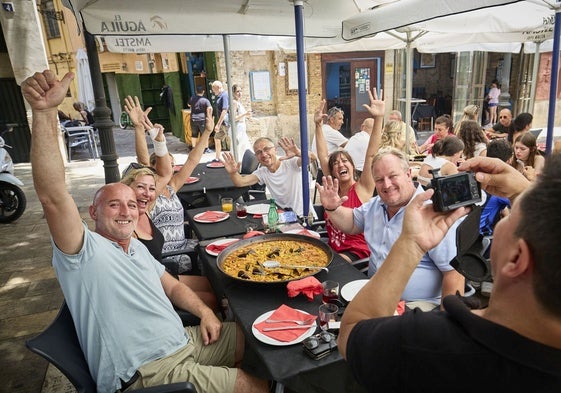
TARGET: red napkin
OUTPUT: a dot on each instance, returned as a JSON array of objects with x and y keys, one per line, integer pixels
[
  {"x": 286, "y": 313},
  {"x": 217, "y": 248},
  {"x": 252, "y": 234},
  {"x": 400, "y": 309},
  {"x": 177, "y": 168},
  {"x": 215, "y": 164},
  {"x": 191, "y": 179},
  {"x": 210, "y": 215},
  {"x": 309, "y": 286}
]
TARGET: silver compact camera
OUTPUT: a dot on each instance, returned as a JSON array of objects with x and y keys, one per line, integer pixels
[{"x": 454, "y": 191}]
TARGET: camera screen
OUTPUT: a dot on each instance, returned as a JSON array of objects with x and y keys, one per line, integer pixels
[{"x": 455, "y": 190}]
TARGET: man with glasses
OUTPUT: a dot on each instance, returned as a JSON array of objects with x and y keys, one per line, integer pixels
[
  {"x": 504, "y": 127},
  {"x": 282, "y": 176},
  {"x": 332, "y": 131}
]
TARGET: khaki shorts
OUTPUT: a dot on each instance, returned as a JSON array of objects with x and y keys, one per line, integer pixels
[
  {"x": 209, "y": 367},
  {"x": 221, "y": 135}
]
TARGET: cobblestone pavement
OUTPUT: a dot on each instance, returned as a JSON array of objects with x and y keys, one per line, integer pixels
[{"x": 30, "y": 296}]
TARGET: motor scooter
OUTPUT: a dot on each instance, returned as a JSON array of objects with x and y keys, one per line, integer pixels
[{"x": 12, "y": 198}]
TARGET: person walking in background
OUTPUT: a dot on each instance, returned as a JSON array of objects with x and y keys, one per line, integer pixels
[
  {"x": 201, "y": 108},
  {"x": 493, "y": 97},
  {"x": 241, "y": 114},
  {"x": 222, "y": 127},
  {"x": 407, "y": 132}
]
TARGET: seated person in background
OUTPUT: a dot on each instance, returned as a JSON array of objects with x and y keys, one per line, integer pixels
[
  {"x": 527, "y": 159},
  {"x": 357, "y": 145},
  {"x": 332, "y": 131},
  {"x": 381, "y": 220},
  {"x": 504, "y": 127},
  {"x": 85, "y": 115},
  {"x": 406, "y": 132},
  {"x": 392, "y": 136},
  {"x": 340, "y": 166},
  {"x": 282, "y": 176},
  {"x": 442, "y": 128},
  {"x": 446, "y": 153},
  {"x": 167, "y": 213},
  {"x": 522, "y": 123},
  {"x": 475, "y": 141},
  {"x": 512, "y": 345},
  {"x": 470, "y": 113},
  {"x": 119, "y": 296},
  {"x": 495, "y": 207}
]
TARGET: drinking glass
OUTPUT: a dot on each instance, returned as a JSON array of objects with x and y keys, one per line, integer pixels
[
  {"x": 327, "y": 312},
  {"x": 330, "y": 291},
  {"x": 241, "y": 210},
  {"x": 227, "y": 204}
]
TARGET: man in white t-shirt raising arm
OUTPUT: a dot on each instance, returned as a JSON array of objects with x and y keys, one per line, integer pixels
[{"x": 331, "y": 131}]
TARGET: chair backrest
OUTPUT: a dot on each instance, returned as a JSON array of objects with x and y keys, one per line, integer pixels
[
  {"x": 59, "y": 345},
  {"x": 249, "y": 163}
]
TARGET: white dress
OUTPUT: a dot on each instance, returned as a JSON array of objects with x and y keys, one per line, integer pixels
[{"x": 242, "y": 139}]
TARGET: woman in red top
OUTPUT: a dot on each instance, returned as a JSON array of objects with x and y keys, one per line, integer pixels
[
  {"x": 443, "y": 127},
  {"x": 341, "y": 167}
]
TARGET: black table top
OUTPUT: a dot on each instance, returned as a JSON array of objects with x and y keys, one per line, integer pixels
[
  {"x": 214, "y": 182},
  {"x": 231, "y": 226},
  {"x": 286, "y": 364}
]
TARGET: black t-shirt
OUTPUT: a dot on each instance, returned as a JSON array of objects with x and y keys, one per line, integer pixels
[
  {"x": 453, "y": 351},
  {"x": 198, "y": 105}
]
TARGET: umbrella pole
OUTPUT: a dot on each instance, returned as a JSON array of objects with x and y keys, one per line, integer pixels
[
  {"x": 231, "y": 110},
  {"x": 298, "y": 11},
  {"x": 102, "y": 114},
  {"x": 553, "y": 83}
]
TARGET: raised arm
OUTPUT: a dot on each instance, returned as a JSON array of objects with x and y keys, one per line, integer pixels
[
  {"x": 137, "y": 116},
  {"x": 341, "y": 216},
  {"x": 377, "y": 108},
  {"x": 321, "y": 144},
  {"x": 194, "y": 157},
  {"x": 291, "y": 150},
  {"x": 44, "y": 93},
  {"x": 233, "y": 169}
]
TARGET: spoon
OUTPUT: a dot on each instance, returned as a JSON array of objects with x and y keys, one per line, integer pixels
[{"x": 275, "y": 264}]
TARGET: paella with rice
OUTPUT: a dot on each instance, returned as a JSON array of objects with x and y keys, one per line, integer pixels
[{"x": 245, "y": 261}]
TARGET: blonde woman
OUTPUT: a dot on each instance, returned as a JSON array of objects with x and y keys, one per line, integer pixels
[{"x": 392, "y": 135}]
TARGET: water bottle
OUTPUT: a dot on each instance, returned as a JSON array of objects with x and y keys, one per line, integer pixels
[{"x": 273, "y": 217}]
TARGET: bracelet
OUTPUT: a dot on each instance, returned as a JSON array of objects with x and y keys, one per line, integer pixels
[{"x": 331, "y": 210}]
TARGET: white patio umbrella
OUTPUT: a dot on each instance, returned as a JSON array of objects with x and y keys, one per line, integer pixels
[
  {"x": 84, "y": 79},
  {"x": 451, "y": 25},
  {"x": 140, "y": 26}
]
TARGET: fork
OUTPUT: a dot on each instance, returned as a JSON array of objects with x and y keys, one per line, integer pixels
[{"x": 288, "y": 320}]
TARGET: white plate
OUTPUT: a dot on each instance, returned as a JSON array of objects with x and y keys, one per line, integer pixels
[
  {"x": 218, "y": 243},
  {"x": 349, "y": 290},
  {"x": 271, "y": 341},
  {"x": 297, "y": 232},
  {"x": 198, "y": 219},
  {"x": 260, "y": 208}
]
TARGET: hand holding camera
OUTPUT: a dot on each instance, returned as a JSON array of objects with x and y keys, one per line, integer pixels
[{"x": 454, "y": 191}]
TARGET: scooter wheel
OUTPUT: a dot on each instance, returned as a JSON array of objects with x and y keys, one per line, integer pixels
[{"x": 12, "y": 202}]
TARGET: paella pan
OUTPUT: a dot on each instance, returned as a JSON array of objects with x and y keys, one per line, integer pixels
[{"x": 247, "y": 260}]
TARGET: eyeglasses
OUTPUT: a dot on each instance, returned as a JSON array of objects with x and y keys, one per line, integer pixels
[
  {"x": 265, "y": 150},
  {"x": 314, "y": 341},
  {"x": 503, "y": 117}
]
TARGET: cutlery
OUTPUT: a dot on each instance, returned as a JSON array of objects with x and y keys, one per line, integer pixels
[
  {"x": 276, "y": 264},
  {"x": 298, "y": 322},
  {"x": 287, "y": 328}
]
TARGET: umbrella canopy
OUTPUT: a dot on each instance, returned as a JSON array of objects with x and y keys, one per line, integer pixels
[
  {"x": 85, "y": 89},
  {"x": 451, "y": 25}
]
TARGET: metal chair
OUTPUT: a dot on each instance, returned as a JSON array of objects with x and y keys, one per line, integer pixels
[
  {"x": 59, "y": 344},
  {"x": 83, "y": 136}
]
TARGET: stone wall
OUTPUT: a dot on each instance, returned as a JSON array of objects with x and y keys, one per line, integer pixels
[{"x": 279, "y": 116}]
